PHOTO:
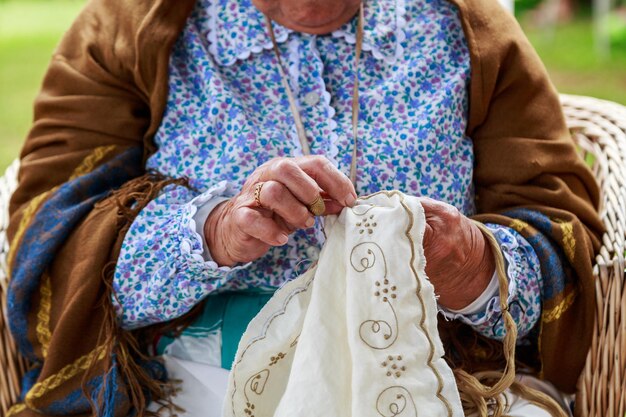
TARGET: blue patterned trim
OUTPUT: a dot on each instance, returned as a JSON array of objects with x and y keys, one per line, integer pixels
[
  {"x": 50, "y": 228},
  {"x": 555, "y": 271}
]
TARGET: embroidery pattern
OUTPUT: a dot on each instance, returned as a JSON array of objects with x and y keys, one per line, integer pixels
[
  {"x": 43, "y": 315},
  {"x": 274, "y": 359},
  {"x": 92, "y": 160},
  {"x": 569, "y": 242},
  {"x": 394, "y": 401},
  {"x": 255, "y": 384},
  {"x": 393, "y": 365},
  {"x": 248, "y": 386},
  {"x": 28, "y": 214},
  {"x": 394, "y": 397},
  {"x": 80, "y": 365},
  {"x": 556, "y": 312},
  {"x": 394, "y": 408},
  {"x": 368, "y": 224},
  {"x": 518, "y": 225},
  {"x": 17, "y": 408},
  {"x": 377, "y": 334}
]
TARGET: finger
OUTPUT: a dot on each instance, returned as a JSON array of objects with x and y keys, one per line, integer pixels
[
  {"x": 299, "y": 183},
  {"x": 440, "y": 218},
  {"x": 430, "y": 205},
  {"x": 329, "y": 178},
  {"x": 333, "y": 207},
  {"x": 440, "y": 210},
  {"x": 278, "y": 198},
  {"x": 286, "y": 228},
  {"x": 265, "y": 229}
]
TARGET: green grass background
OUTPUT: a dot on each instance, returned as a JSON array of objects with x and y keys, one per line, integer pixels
[
  {"x": 30, "y": 29},
  {"x": 574, "y": 67}
]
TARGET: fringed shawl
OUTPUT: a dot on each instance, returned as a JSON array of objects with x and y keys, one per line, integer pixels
[{"x": 82, "y": 180}]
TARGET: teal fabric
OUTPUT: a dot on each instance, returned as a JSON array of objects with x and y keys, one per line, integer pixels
[
  {"x": 240, "y": 309},
  {"x": 231, "y": 312}
]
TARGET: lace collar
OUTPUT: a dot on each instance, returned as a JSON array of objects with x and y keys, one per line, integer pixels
[{"x": 237, "y": 29}]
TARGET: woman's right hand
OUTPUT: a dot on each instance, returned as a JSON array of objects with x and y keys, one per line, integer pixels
[{"x": 239, "y": 230}]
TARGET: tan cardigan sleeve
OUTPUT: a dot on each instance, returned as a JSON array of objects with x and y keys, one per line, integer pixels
[{"x": 528, "y": 176}]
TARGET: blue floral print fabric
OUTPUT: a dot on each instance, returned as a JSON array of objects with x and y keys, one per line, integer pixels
[{"x": 227, "y": 113}]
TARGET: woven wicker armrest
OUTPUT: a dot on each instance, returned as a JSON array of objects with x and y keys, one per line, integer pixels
[
  {"x": 12, "y": 365},
  {"x": 599, "y": 128}
]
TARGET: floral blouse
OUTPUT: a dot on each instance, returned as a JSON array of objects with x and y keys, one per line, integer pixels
[{"x": 227, "y": 113}]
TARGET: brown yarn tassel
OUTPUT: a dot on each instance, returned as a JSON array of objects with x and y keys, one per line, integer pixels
[
  {"x": 126, "y": 345},
  {"x": 482, "y": 393}
]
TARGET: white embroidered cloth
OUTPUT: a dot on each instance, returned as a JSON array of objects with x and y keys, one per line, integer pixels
[{"x": 354, "y": 336}]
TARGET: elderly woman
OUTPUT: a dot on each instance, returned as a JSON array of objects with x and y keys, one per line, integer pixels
[{"x": 181, "y": 152}]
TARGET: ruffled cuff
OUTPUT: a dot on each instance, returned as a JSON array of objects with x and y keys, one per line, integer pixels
[
  {"x": 478, "y": 305},
  {"x": 161, "y": 272},
  {"x": 524, "y": 300},
  {"x": 201, "y": 208},
  {"x": 200, "y": 218}
]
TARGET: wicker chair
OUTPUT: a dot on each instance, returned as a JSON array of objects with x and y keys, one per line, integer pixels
[{"x": 599, "y": 128}]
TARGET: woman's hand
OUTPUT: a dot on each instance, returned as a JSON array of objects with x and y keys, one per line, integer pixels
[
  {"x": 459, "y": 261},
  {"x": 239, "y": 230}
]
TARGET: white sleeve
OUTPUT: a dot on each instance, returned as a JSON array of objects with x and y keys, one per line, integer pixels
[{"x": 200, "y": 218}]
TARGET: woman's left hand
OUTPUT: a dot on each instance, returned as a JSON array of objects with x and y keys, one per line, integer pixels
[{"x": 459, "y": 261}]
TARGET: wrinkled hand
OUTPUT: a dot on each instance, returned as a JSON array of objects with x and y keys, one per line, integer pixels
[
  {"x": 238, "y": 230},
  {"x": 459, "y": 261}
]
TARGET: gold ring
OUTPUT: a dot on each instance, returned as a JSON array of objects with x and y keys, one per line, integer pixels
[
  {"x": 317, "y": 207},
  {"x": 257, "y": 194}
]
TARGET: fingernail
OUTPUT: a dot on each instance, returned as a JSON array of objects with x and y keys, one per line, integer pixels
[
  {"x": 349, "y": 199},
  {"x": 310, "y": 222},
  {"x": 282, "y": 239}
]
